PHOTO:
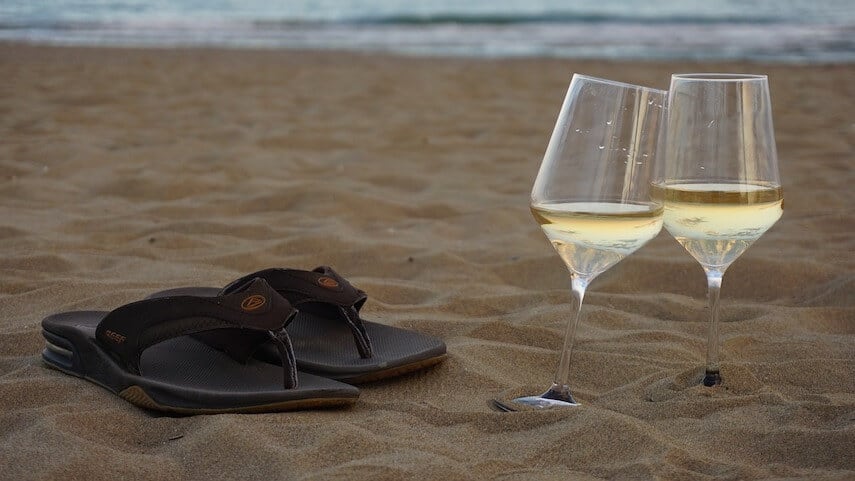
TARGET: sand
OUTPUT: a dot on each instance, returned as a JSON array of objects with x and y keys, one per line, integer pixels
[{"x": 127, "y": 171}]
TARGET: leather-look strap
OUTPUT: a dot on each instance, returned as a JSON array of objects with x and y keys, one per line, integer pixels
[
  {"x": 321, "y": 291},
  {"x": 253, "y": 306}
]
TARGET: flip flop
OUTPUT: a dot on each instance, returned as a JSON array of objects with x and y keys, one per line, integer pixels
[
  {"x": 330, "y": 338},
  {"x": 145, "y": 353}
]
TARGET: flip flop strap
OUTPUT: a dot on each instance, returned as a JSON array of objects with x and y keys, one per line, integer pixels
[
  {"x": 252, "y": 307},
  {"x": 321, "y": 291}
]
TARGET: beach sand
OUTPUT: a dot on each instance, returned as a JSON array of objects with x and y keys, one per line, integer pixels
[{"x": 123, "y": 172}]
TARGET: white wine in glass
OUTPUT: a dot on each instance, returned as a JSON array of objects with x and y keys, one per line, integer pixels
[
  {"x": 592, "y": 196},
  {"x": 590, "y": 237},
  {"x": 719, "y": 178}
]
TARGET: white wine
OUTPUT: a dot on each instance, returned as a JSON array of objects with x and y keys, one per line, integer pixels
[
  {"x": 590, "y": 237},
  {"x": 716, "y": 222}
]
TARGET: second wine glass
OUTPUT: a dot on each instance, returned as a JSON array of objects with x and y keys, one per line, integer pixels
[
  {"x": 592, "y": 195},
  {"x": 719, "y": 177}
]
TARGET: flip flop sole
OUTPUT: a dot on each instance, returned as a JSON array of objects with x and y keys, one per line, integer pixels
[
  {"x": 182, "y": 375},
  {"x": 326, "y": 347},
  {"x": 392, "y": 372},
  {"x": 138, "y": 396}
]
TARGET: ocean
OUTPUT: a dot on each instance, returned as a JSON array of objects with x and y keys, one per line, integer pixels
[{"x": 793, "y": 31}]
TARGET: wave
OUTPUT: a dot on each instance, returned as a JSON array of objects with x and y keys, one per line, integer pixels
[
  {"x": 499, "y": 19},
  {"x": 559, "y": 17},
  {"x": 568, "y": 36}
]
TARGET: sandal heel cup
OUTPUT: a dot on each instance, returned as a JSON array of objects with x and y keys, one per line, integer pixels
[{"x": 59, "y": 353}]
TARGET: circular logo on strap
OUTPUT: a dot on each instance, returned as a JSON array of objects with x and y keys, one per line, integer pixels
[
  {"x": 328, "y": 282},
  {"x": 253, "y": 302}
]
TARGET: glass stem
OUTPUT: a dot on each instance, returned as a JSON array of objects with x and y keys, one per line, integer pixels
[
  {"x": 712, "y": 376},
  {"x": 562, "y": 373}
]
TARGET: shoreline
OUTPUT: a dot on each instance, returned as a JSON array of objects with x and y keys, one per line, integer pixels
[{"x": 428, "y": 56}]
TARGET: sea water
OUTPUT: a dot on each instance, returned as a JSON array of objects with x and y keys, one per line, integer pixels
[{"x": 766, "y": 30}]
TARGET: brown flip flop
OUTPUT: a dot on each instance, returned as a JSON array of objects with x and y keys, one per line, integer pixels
[
  {"x": 330, "y": 338},
  {"x": 146, "y": 352}
]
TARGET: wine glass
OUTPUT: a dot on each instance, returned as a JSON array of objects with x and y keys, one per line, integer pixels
[
  {"x": 719, "y": 178},
  {"x": 592, "y": 195}
]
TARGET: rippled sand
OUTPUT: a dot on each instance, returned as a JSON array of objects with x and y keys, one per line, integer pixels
[{"x": 123, "y": 172}]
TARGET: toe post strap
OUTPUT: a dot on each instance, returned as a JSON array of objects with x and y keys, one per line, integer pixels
[
  {"x": 286, "y": 354},
  {"x": 321, "y": 291}
]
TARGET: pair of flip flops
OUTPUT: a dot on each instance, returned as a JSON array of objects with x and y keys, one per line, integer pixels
[{"x": 274, "y": 340}]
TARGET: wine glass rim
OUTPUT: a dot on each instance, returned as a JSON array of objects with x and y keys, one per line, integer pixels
[
  {"x": 616, "y": 83},
  {"x": 719, "y": 77}
]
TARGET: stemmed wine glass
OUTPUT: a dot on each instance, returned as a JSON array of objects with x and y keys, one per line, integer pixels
[
  {"x": 719, "y": 178},
  {"x": 592, "y": 195}
]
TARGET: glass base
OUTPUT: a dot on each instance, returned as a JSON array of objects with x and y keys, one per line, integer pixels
[
  {"x": 540, "y": 402},
  {"x": 555, "y": 397},
  {"x": 711, "y": 378}
]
